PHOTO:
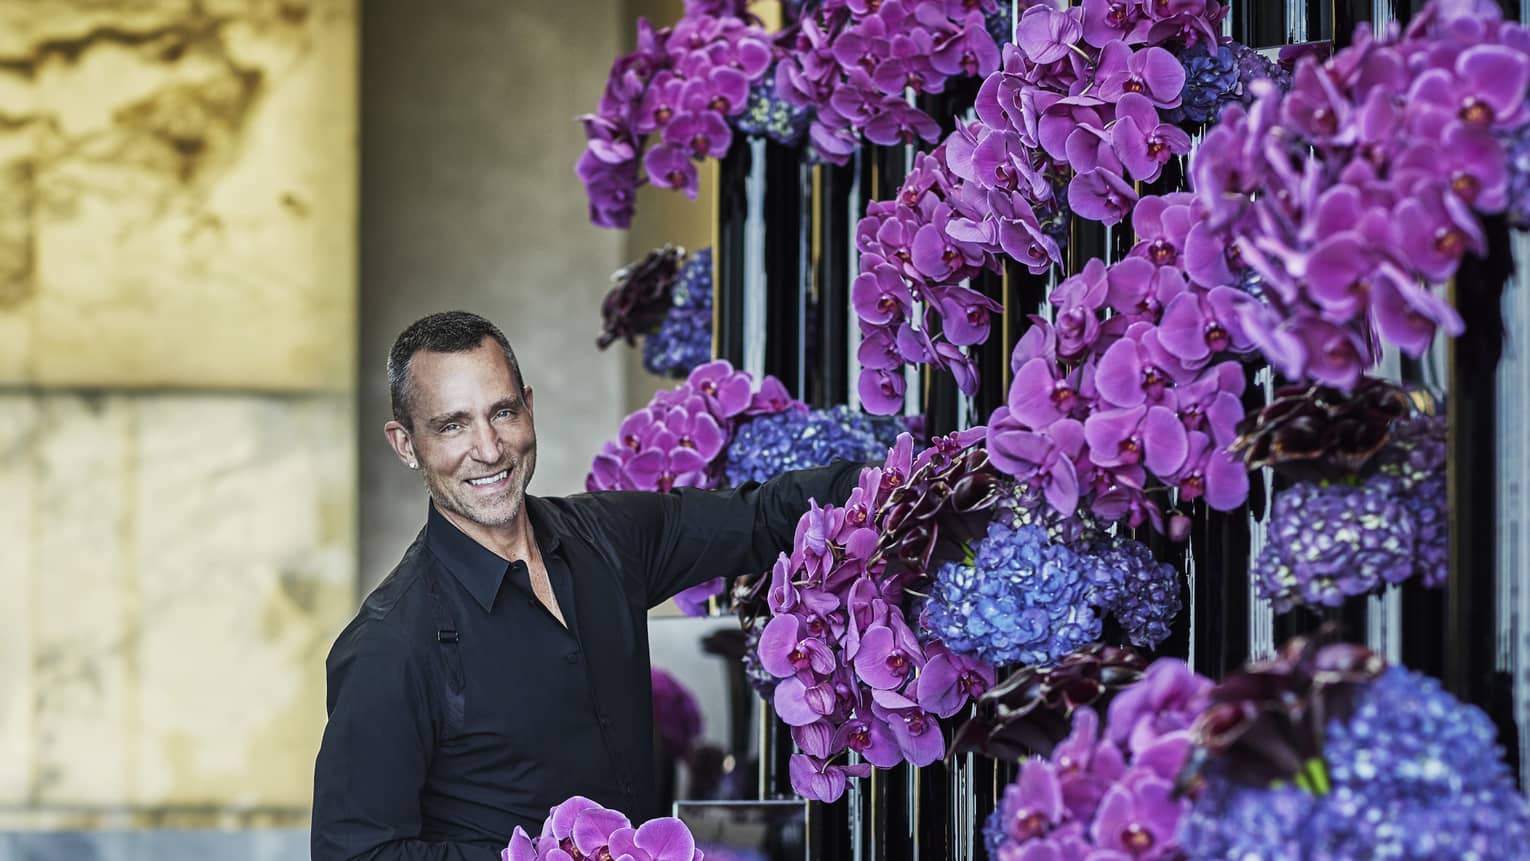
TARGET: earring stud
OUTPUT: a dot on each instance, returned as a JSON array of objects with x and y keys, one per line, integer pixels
[{"x": 413, "y": 465}]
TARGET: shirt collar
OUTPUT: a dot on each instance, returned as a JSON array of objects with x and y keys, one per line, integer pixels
[{"x": 480, "y": 570}]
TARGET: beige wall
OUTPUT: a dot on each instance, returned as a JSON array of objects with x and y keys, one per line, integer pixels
[{"x": 177, "y": 460}]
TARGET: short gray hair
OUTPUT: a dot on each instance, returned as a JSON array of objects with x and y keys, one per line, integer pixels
[{"x": 445, "y": 332}]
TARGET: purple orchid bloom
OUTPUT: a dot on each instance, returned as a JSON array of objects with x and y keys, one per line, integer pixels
[
  {"x": 1038, "y": 396},
  {"x": 907, "y": 63},
  {"x": 702, "y": 133},
  {"x": 671, "y": 167},
  {"x": 727, "y": 392},
  {"x": 1106, "y": 21},
  {"x": 1144, "y": 144},
  {"x": 949, "y": 681},
  {"x": 1046, "y": 34},
  {"x": 1211, "y": 473},
  {"x": 1336, "y": 355},
  {"x": 1213, "y": 402},
  {"x": 970, "y": 50},
  {"x": 784, "y": 652},
  {"x": 1437, "y": 229},
  {"x": 1048, "y": 458},
  {"x": 916, "y": 730},
  {"x": 881, "y": 391},
  {"x": 1138, "y": 817},
  {"x": 817, "y": 780},
  {"x": 1196, "y": 327},
  {"x": 1128, "y": 374},
  {"x": 879, "y": 350},
  {"x": 869, "y": 736},
  {"x": 1149, "y": 435},
  {"x": 888, "y": 655},
  {"x": 1152, "y": 72},
  {"x": 900, "y": 123},
  {"x": 966, "y": 315},
  {"x": 1101, "y": 195},
  {"x": 799, "y": 704},
  {"x": 1167, "y": 699}
]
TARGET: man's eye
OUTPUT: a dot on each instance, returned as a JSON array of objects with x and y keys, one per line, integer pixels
[
  {"x": 504, "y": 414},
  {"x": 451, "y": 427}
]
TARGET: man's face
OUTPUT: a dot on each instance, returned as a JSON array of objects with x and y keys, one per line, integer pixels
[{"x": 473, "y": 433}]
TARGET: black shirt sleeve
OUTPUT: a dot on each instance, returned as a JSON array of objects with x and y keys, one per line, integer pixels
[
  {"x": 373, "y": 761},
  {"x": 727, "y": 533}
]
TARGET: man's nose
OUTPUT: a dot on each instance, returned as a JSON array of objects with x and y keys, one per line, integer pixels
[{"x": 486, "y": 443}]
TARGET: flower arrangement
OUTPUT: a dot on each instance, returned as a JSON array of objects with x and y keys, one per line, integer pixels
[
  {"x": 892, "y": 609},
  {"x": 1339, "y": 202},
  {"x": 1326, "y": 753},
  {"x": 852, "y": 63},
  {"x": 682, "y": 84},
  {"x": 581, "y": 828},
  {"x": 1368, "y": 506}
]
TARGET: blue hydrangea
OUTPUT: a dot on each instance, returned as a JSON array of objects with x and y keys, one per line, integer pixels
[
  {"x": 1134, "y": 587},
  {"x": 1414, "y": 774},
  {"x": 769, "y": 445},
  {"x": 768, "y": 115},
  {"x": 683, "y": 341},
  {"x": 1211, "y": 81},
  {"x": 1022, "y": 600}
]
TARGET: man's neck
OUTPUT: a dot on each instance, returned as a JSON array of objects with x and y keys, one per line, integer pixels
[{"x": 515, "y": 540}]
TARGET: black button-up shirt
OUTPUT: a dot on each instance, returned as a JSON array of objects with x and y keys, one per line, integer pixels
[{"x": 459, "y": 708}]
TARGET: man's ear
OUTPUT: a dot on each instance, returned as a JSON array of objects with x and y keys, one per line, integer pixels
[
  {"x": 401, "y": 443},
  {"x": 526, "y": 396}
]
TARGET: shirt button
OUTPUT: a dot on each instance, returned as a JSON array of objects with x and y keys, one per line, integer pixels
[{"x": 572, "y": 657}]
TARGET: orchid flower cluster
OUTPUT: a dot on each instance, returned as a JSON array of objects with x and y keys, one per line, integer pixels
[
  {"x": 853, "y": 62},
  {"x": 909, "y": 261},
  {"x": 1073, "y": 99},
  {"x": 1107, "y": 793},
  {"x": 1340, "y": 201},
  {"x": 1336, "y": 756},
  {"x": 681, "y": 84},
  {"x": 855, "y": 676},
  {"x": 1137, "y": 377},
  {"x": 1086, "y": 87},
  {"x": 679, "y": 439},
  {"x": 580, "y": 828}
]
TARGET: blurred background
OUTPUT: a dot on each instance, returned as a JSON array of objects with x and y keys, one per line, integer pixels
[{"x": 218, "y": 214}]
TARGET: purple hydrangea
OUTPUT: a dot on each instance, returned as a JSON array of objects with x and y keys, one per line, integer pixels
[
  {"x": 1328, "y": 543},
  {"x": 1022, "y": 599},
  {"x": 1413, "y": 774},
  {"x": 683, "y": 340}
]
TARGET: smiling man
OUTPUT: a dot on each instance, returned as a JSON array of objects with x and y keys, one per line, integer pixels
[{"x": 503, "y": 666}]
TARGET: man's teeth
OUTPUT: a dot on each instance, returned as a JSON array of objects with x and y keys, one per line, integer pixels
[{"x": 491, "y": 479}]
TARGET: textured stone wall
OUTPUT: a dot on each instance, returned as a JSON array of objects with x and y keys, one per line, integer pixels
[{"x": 177, "y": 352}]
